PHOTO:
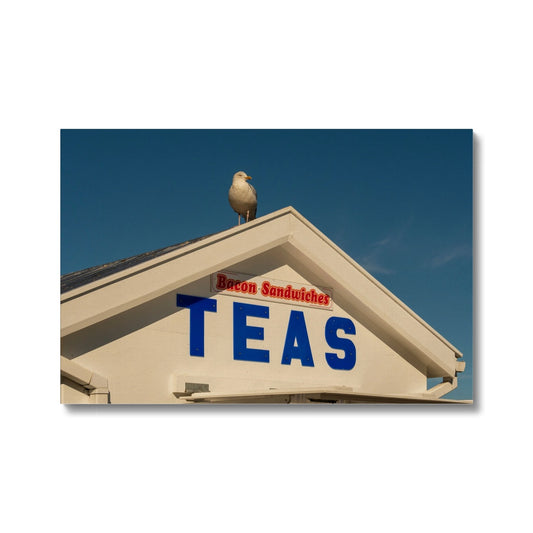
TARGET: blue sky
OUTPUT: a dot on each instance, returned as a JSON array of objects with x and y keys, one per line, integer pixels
[{"x": 397, "y": 201}]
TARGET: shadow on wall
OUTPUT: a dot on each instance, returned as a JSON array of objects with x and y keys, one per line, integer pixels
[{"x": 118, "y": 326}]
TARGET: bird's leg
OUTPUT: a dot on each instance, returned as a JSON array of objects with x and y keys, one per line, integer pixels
[
  {"x": 239, "y": 219},
  {"x": 247, "y": 215}
]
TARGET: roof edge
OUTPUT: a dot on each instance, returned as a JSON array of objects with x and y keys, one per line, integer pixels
[
  {"x": 175, "y": 251},
  {"x": 325, "y": 238}
]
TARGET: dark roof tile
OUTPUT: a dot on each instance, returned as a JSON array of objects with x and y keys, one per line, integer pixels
[{"x": 88, "y": 275}]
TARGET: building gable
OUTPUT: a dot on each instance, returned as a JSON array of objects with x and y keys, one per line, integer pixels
[{"x": 162, "y": 311}]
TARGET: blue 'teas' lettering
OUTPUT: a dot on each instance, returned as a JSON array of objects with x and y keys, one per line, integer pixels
[
  {"x": 196, "y": 306},
  {"x": 334, "y": 361},
  {"x": 297, "y": 332},
  {"x": 242, "y": 332}
]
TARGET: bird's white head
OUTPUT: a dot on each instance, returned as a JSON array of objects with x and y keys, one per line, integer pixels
[{"x": 241, "y": 176}]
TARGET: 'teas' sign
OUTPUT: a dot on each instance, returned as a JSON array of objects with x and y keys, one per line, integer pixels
[
  {"x": 268, "y": 289},
  {"x": 296, "y": 346}
]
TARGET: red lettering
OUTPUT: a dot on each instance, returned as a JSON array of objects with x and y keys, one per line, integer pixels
[
  {"x": 265, "y": 288},
  {"x": 221, "y": 282},
  {"x": 286, "y": 292},
  {"x": 252, "y": 287}
]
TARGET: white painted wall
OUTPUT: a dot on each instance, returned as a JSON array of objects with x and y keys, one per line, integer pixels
[{"x": 149, "y": 358}]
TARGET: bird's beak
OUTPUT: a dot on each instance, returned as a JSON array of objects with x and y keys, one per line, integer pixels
[{"x": 248, "y": 178}]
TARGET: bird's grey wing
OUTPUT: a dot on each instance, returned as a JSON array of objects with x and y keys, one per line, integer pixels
[
  {"x": 253, "y": 190},
  {"x": 253, "y": 211}
]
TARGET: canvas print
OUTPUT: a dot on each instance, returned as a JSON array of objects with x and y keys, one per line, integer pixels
[{"x": 266, "y": 266}]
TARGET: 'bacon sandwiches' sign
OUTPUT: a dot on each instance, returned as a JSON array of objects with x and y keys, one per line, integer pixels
[{"x": 233, "y": 283}]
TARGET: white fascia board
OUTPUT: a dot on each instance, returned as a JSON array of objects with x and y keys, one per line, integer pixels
[
  {"x": 187, "y": 249},
  {"x": 115, "y": 294},
  {"x": 369, "y": 277},
  {"x": 81, "y": 375}
]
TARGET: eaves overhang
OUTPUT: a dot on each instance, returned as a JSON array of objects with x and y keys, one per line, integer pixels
[{"x": 113, "y": 294}]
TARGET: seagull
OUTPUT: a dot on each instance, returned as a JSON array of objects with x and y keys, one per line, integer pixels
[{"x": 242, "y": 197}]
